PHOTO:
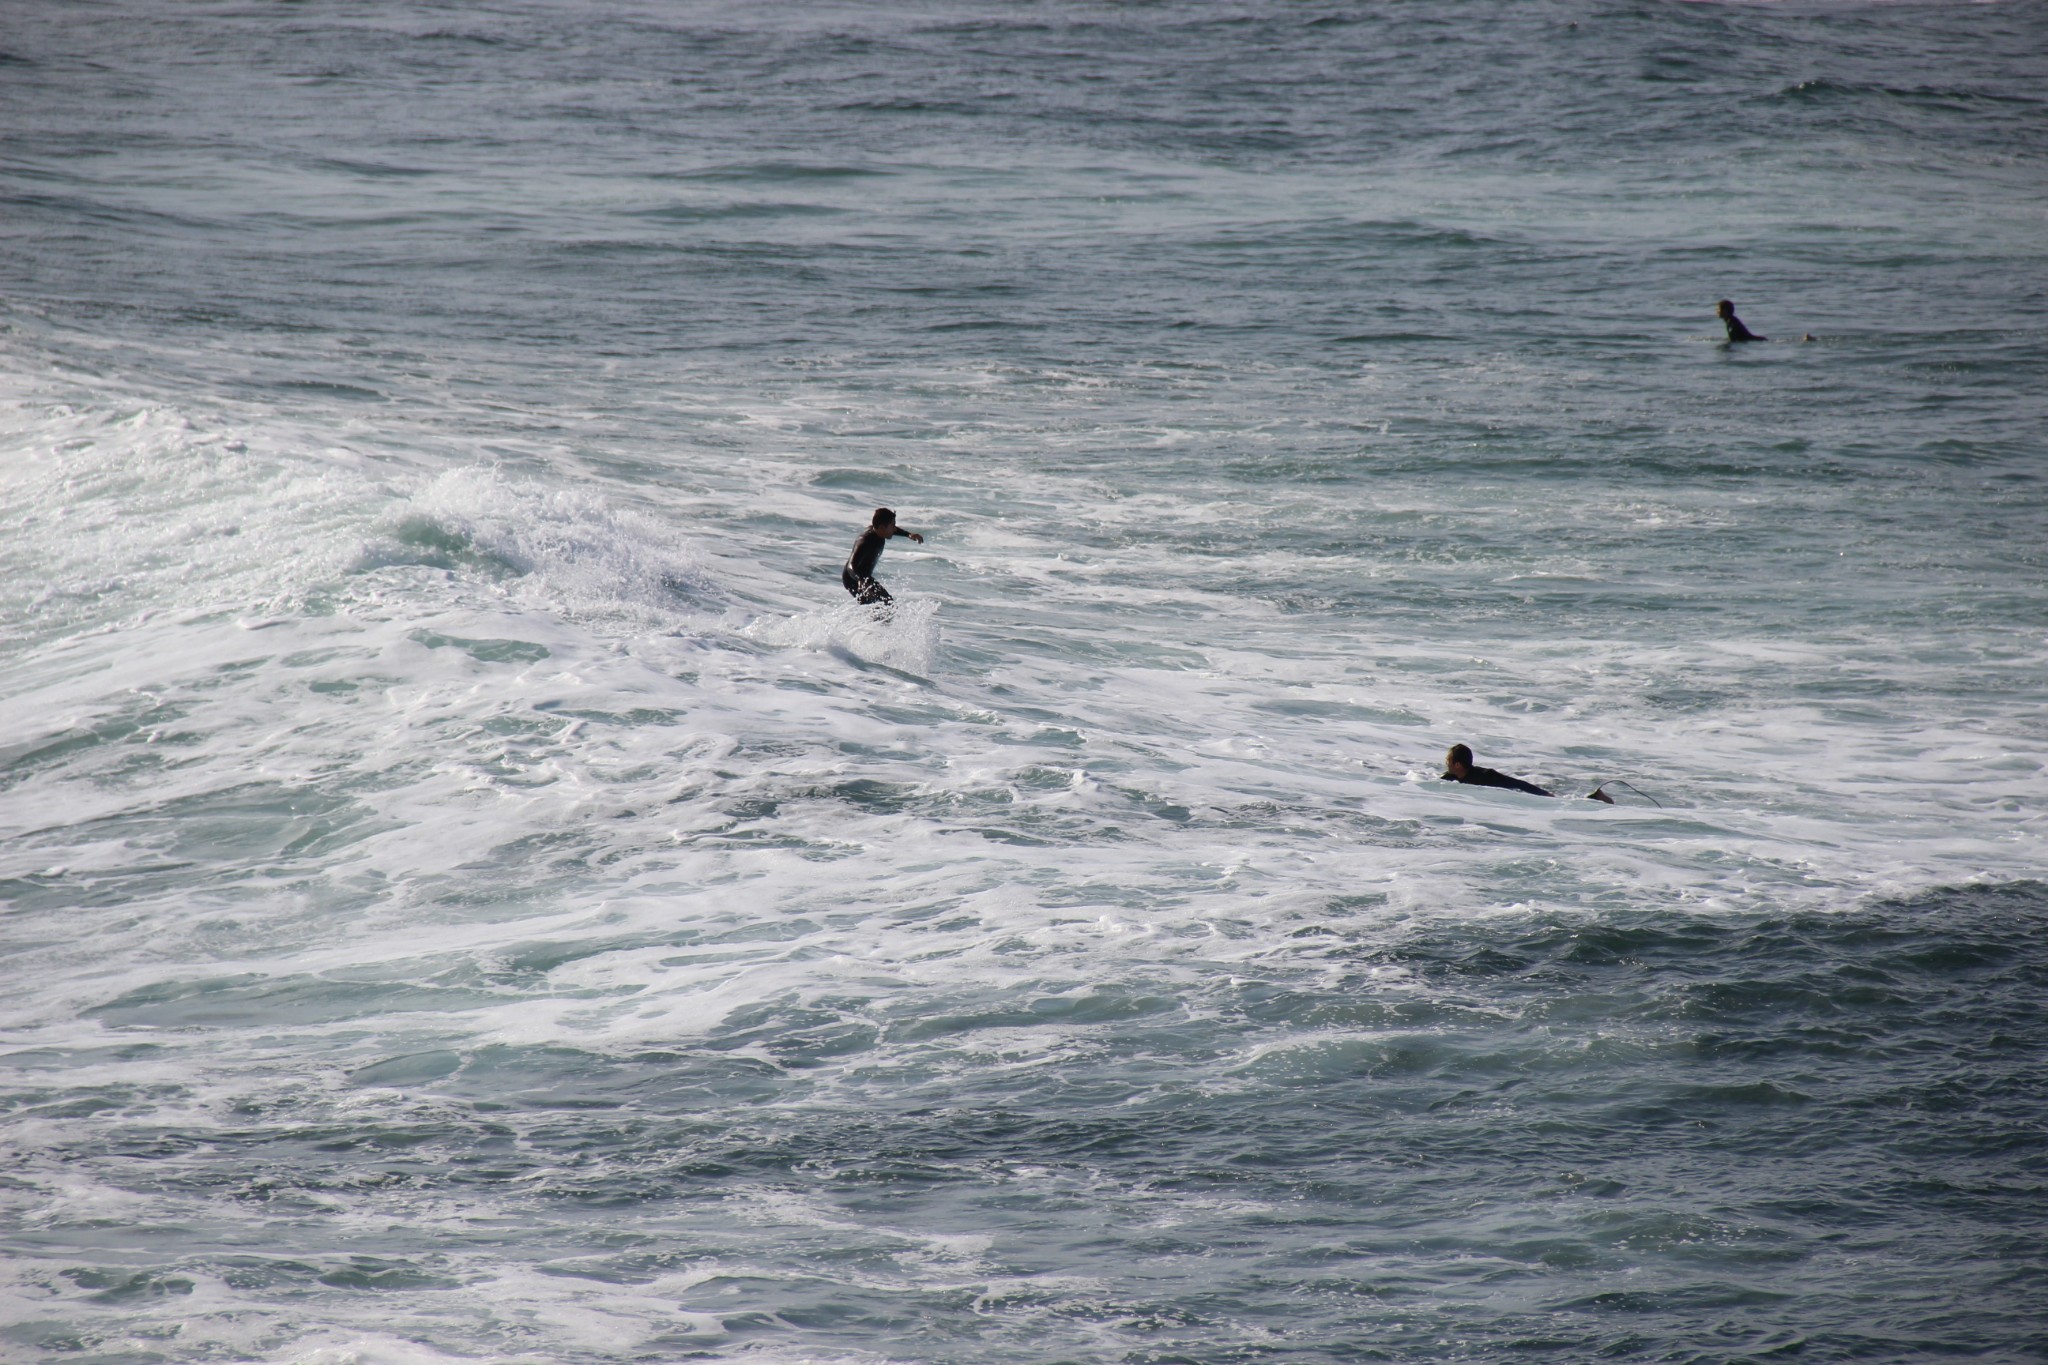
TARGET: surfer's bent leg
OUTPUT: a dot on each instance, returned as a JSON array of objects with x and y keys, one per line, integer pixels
[{"x": 866, "y": 591}]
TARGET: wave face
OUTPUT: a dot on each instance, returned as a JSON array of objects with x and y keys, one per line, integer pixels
[{"x": 473, "y": 887}]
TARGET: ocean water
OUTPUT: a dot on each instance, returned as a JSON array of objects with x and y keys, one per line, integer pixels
[{"x": 473, "y": 888}]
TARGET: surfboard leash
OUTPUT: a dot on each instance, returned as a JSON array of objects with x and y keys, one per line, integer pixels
[{"x": 1624, "y": 782}]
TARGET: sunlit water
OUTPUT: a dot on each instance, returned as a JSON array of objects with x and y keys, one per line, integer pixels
[{"x": 476, "y": 889}]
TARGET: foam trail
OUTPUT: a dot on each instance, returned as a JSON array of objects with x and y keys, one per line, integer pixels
[{"x": 903, "y": 636}]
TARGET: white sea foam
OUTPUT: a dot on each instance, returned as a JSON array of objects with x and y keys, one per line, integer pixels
[
  {"x": 571, "y": 552},
  {"x": 475, "y": 888},
  {"x": 903, "y": 635}
]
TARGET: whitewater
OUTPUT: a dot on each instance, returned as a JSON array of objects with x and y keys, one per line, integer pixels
[{"x": 473, "y": 887}]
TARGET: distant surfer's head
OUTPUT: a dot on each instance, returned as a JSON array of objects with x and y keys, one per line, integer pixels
[
  {"x": 884, "y": 518},
  {"x": 1724, "y": 309},
  {"x": 1457, "y": 760}
]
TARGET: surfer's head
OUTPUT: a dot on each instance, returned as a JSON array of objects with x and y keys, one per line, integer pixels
[
  {"x": 1724, "y": 310},
  {"x": 1458, "y": 761},
  {"x": 885, "y": 519}
]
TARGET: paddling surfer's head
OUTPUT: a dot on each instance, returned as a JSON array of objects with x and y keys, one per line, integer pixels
[{"x": 1458, "y": 761}]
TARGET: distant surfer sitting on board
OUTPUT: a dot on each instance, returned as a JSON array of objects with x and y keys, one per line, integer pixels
[
  {"x": 1725, "y": 311},
  {"x": 859, "y": 573},
  {"x": 1458, "y": 767}
]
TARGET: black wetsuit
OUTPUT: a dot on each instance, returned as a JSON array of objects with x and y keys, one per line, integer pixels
[
  {"x": 859, "y": 573},
  {"x": 1737, "y": 332},
  {"x": 1476, "y": 776}
]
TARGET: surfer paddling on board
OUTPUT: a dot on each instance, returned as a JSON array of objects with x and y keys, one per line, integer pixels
[
  {"x": 1458, "y": 767},
  {"x": 859, "y": 573},
  {"x": 1725, "y": 311}
]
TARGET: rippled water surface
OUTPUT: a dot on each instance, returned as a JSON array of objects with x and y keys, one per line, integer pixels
[{"x": 473, "y": 888}]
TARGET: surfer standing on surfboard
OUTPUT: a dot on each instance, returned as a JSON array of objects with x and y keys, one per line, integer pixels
[{"x": 859, "y": 573}]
